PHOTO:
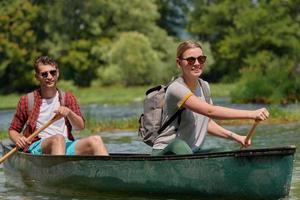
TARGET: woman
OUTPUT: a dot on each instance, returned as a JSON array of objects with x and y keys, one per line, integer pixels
[{"x": 186, "y": 92}]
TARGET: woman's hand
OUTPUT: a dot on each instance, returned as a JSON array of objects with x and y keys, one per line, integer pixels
[
  {"x": 241, "y": 139},
  {"x": 261, "y": 114}
]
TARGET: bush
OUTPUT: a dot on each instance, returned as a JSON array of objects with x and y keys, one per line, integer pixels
[
  {"x": 67, "y": 85},
  {"x": 110, "y": 75},
  {"x": 132, "y": 61},
  {"x": 270, "y": 80}
]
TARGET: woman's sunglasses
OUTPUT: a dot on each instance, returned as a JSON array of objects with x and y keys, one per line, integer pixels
[
  {"x": 192, "y": 60},
  {"x": 45, "y": 74}
]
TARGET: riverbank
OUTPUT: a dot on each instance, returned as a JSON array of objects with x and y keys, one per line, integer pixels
[
  {"x": 124, "y": 96},
  {"x": 278, "y": 116}
]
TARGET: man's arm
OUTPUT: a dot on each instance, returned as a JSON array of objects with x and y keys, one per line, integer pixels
[
  {"x": 18, "y": 122},
  {"x": 76, "y": 121},
  {"x": 72, "y": 112},
  {"x": 20, "y": 141}
]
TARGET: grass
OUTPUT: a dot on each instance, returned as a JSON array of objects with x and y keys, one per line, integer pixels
[
  {"x": 111, "y": 95},
  {"x": 94, "y": 95},
  {"x": 9, "y": 101},
  {"x": 3, "y": 134}
]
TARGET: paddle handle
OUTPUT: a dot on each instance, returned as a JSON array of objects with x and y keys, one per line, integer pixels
[
  {"x": 11, "y": 152},
  {"x": 250, "y": 133},
  {"x": 33, "y": 135}
]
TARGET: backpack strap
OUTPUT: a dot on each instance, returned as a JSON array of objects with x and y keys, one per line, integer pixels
[
  {"x": 30, "y": 97},
  {"x": 175, "y": 115},
  {"x": 170, "y": 120},
  {"x": 61, "y": 95},
  {"x": 206, "y": 91}
]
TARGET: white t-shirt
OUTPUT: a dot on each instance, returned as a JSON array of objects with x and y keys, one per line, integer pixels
[
  {"x": 46, "y": 113},
  {"x": 193, "y": 126}
]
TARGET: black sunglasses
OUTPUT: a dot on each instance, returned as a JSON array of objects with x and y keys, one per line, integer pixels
[
  {"x": 45, "y": 74},
  {"x": 192, "y": 60}
]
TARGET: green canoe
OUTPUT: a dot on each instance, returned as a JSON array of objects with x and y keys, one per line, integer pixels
[{"x": 242, "y": 174}]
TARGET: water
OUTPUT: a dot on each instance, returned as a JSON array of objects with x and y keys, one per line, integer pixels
[
  {"x": 95, "y": 111},
  {"x": 128, "y": 142}
]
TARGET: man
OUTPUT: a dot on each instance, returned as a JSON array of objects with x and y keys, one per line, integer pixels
[{"x": 57, "y": 138}]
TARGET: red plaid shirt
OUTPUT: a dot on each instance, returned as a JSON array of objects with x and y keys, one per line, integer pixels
[{"x": 21, "y": 115}]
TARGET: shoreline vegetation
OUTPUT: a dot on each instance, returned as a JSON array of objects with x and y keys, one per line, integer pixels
[{"x": 122, "y": 96}]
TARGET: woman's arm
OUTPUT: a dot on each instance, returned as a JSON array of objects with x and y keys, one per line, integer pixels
[
  {"x": 217, "y": 130},
  {"x": 218, "y": 112}
]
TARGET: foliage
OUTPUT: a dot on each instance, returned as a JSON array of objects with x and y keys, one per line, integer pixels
[
  {"x": 17, "y": 45},
  {"x": 137, "y": 63},
  {"x": 240, "y": 29},
  {"x": 125, "y": 42},
  {"x": 173, "y": 15},
  {"x": 79, "y": 34},
  {"x": 274, "y": 80},
  {"x": 67, "y": 86},
  {"x": 257, "y": 41}
]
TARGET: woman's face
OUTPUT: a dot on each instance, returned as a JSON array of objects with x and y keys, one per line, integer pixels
[{"x": 192, "y": 62}]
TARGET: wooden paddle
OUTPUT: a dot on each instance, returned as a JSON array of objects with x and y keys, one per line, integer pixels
[
  {"x": 251, "y": 133},
  {"x": 33, "y": 135}
]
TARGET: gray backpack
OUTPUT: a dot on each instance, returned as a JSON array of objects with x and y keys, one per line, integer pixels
[{"x": 150, "y": 122}]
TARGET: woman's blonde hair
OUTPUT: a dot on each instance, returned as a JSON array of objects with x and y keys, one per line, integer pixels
[{"x": 182, "y": 47}]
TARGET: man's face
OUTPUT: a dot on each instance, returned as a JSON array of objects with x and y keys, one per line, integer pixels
[{"x": 47, "y": 75}]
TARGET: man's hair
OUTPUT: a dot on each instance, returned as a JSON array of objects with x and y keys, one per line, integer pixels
[
  {"x": 44, "y": 60},
  {"x": 182, "y": 47}
]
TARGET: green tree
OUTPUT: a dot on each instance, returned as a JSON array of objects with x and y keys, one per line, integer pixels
[
  {"x": 133, "y": 60},
  {"x": 173, "y": 15},
  {"x": 240, "y": 33},
  {"x": 96, "y": 25},
  {"x": 271, "y": 79},
  {"x": 17, "y": 45},
  {"x": 78, "y": 34}
]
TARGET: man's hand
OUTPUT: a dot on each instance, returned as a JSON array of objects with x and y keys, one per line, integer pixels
[
  {"x": 63, "y": 111},
  {"x": 76, "y": 121},
  {"x": 22, "y": 142}
]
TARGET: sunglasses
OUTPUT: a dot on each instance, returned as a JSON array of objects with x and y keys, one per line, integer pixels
[
  {"x": 192, "y": 60},
  {"x": 45, "y": 74}
]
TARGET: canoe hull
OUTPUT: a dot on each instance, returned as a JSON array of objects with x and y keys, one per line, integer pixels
[{"x": 253, "y": 174}]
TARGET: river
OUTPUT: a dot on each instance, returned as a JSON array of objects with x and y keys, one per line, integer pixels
[{"x": 120, "y": 142}]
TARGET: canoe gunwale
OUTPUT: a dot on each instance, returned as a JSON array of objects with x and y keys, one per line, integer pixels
[{"x": 287, "y": 150}]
